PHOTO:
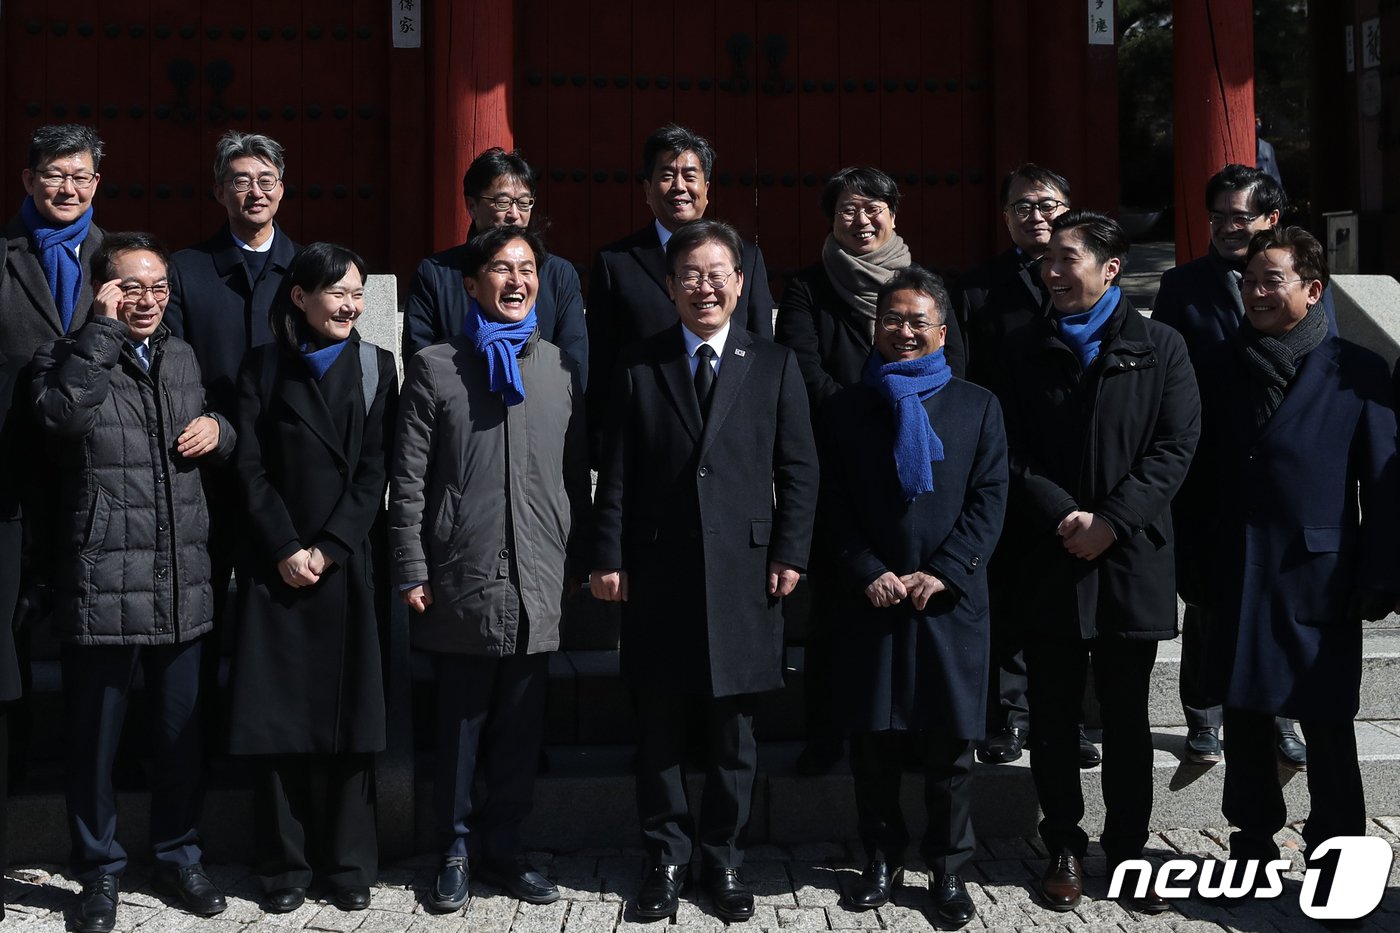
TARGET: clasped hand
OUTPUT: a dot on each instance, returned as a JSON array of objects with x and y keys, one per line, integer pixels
[
  {"x": 304, "y": 568},
  {"x": 889, "y": 590},
  {"x": 1085, "y": 535}
]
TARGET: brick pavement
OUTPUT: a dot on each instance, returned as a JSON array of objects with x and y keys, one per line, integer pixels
[{"x": 797, "y": 890}]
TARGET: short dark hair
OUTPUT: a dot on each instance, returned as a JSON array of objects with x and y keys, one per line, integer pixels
[
  {"x": 113, "y": 244},
  {"x": 1265, "y": 194},
  {"x": 316, "y": 266},
  {"x": 235, "y": 145},
  {"x": 63, "y": 139},
  {"x": 1099, "y": 233},
  {"x": 675, "y": 138},
  {"x": 915, "y": 278},
  {"x": 1034, "y": 174},
  {"x": 484, "y": 246},
  {"x": 492, "y": 164},
  {"x": 699, "y": 232},
  {"x": 863, "y": 180},
  {"x": 1309, "y": 255}
]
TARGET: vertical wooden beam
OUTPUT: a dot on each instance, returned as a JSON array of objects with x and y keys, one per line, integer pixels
[
  {"x": 472, "y": 70},
  {"x": 1213, "y": 109}
]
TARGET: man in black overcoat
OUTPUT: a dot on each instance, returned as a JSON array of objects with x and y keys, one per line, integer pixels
[
  {"x": 704, "y": 517},
  {"x": 628, "y": 298},
  {"x": 997, "y": 300},
  {"x": 913, "y": 637},
  {"x": 1201, "y": 300},
  {"x": 220, "y": 292}
]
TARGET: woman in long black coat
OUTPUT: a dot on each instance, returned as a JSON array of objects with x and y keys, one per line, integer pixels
[
  {"x": 827, "y": 319},
  {"x": 315, "y": 412}
]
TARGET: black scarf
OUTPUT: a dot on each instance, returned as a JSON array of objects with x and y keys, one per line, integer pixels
[{"x": 1272, "y": 362}]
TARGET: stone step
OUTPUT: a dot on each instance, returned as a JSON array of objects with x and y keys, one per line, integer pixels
[{"x": 586, "y": 800}]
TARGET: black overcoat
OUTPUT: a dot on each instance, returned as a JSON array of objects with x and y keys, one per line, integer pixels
[
  {"x": 899, "y": 667},
  {"x": 831, "y": 339},
  {"x": 995, "y": 301},
  {"x": 313, "y": 466},
  {"x": 1116, "y": 441},
  {"x": 1303, "y": 516},
  {"x": 688, "y": 510},
  {"x": 628, "y": 301},
  {"x": 218, "y": 310}
]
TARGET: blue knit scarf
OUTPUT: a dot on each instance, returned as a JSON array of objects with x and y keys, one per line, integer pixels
[
  {"x": 56, "y": 247},
  {"x": 1083, "y": 332},
  {"x": 320, "y": 361},
  {"x": 905, "y": 384},
  {"x": 500, "y": 344}
]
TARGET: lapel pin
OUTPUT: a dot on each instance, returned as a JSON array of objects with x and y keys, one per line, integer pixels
[{"x": 738, "y": 351}]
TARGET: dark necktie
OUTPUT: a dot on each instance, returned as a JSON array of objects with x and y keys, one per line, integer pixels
[
  {"x": 704, "y": 377},
  {"x": 142, "y": 356},
  {"x": 1042, "y": 292}
]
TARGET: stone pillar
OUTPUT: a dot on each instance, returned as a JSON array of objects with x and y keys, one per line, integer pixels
[
  {"x": 470, "y": 77},
  {"x": 1213, "y": 105}
]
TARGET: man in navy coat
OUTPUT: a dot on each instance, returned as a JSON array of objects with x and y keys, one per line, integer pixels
[
  {"x": 499, "y": 188},
  {"x": 220, "y": 292},
  {"x": 704, "y": 515},
  {"x": 1297, "y": 471},
  {"x": 628, "y": 298},
  {"x": 914, "y": 639},
  {"x": 1201, "y": 300}
]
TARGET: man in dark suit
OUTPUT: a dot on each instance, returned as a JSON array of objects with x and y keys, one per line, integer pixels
[
  {"x": 499, "y": 188},
  {"x": 998, "y": 299},
  {"x": 1201, "y": 300},
  {"x": 220, "y": 292},
  {"x": 706, "y": 424},
  {"x": 627, "y": 294},
  {"x": 45, "y": 293}
]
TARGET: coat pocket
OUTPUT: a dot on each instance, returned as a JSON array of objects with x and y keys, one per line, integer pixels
[
  {"x": 98, "y": 520},
  {"x": 1322, "y": 539},
  {"x": 1321, "y": 580},
  {"x": 760, "y": 532}
]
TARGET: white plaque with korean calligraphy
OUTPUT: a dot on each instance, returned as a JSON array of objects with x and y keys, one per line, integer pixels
[
  {"x": 406, "y": 23},
  {"x": 1371, "y": 43},
  {"x": 1100, "y": 22}
]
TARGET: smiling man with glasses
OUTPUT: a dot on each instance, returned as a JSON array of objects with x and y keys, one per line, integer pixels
[
  {"x": 499, "y": 188},
  {"x": 1202, "y": 299}
]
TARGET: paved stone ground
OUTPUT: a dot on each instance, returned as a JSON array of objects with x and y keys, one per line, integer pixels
[{"x": 798, "y": 891}]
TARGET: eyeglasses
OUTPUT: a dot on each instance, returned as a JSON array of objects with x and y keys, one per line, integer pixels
[
  {"x": 244, "y": 183},
  {"x": 503, "y": 202},
  {"x": 716, "y": 280},
  {"x": 1269, "y": 285},
  {"x": 1218, "y": 219},
  {"x": 133, "y": 292},
  {"x": 1046, "y": 206},
  {"x": 851, "y": 211},
  {"x": 82, "y": 180},
  {"x": 894, "y": 324}
]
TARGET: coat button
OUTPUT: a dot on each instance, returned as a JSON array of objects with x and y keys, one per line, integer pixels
[
  {"x": 160, "y": 477},
  {"x": 160, "y": 573},
  {"x": 163, "y": 526},
  {"x": 505, "y": 553},
  {"x": 704, "y": 472},
  {"x": 976, "y": 561}
]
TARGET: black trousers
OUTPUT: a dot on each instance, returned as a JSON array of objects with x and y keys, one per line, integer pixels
[
  {"x": 1007, "y": 704},
  {"x": 1253, "y": 799},
  {"x": 97, "y": 683},
  {"x": 818, "y": 662},
  {"x": 877, "y": 765},
  {"x": 1057, "y": 669},
  {"x": 315, "y": 814},
  {"x": 490, "y": 724},
  {"x": 1201, "y": 706},
  {"x": 668, "y": 826}
]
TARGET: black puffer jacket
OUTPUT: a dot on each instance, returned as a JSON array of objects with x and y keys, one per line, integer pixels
[{"x": 131, "y": 542}]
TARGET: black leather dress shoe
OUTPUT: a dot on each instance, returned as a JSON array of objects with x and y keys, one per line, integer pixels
[
  {"x": 1203, "y": 746},
  {"x": 520, "y": 880},
  {"x": 660, "y": 895},
  {"x": 1089, "y": 755},
  {"x": 1006, "y": 746},
  {"x": 450, "y": 889},
  {"x": 190, "y": 885},
  {"x": 951, "y": 901},
  {"x": 733, "y": 900},
  {"x": 351, "y": 897},
  {"x": 1062, "y": 885},
  {"x": 283, "y": 900},
  {"x": 97, "y": 905},
  {"x": 1292, "y": 753},
  {"x": 876, "y": 885}
]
